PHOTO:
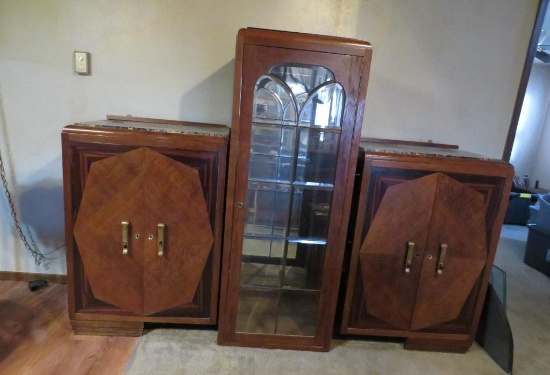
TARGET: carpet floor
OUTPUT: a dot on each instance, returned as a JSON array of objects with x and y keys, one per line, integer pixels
[{"x": 175, "y": 351}]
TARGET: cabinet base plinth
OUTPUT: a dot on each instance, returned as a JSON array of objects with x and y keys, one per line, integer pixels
[
  {"x": 437, "y": 345},
  {"x": 107, "y": 328}
]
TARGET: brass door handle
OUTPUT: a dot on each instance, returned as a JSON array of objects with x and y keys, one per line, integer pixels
[
  {"x": 409, "y": 258},
  {"x": 160, "y": 238},
  {"x": 125, "y": 225},
  {"x": 442, "y": 255}
]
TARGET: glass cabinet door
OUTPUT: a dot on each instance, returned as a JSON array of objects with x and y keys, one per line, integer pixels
[
  {"x": 297, "y": 114},
  {"x": 295, "y": 136}
]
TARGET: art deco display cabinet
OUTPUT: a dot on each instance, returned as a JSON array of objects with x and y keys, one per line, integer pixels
[
  {"x": 297, "y": 114},
  {"x": 143, "y": 218},
  {"x": 427, "y": 226}
]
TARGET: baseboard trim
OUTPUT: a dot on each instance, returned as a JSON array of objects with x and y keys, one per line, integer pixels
[{"x": 26, "y": 276}]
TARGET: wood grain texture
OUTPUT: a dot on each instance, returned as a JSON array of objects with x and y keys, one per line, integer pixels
[
  {"x": 257, "y": 51},
  {"x": 107, "y": 328},
  {"x": 175, "y": 198},
  {"x": 114, "y": 193},
  {"x": 26, "y": 276},
  {"x": 84, "y": 146},
  {"x": 468, "y": 206},
  {"x": 404, "y": 215},
  {"x": 36, "y": 337},
  {"x": 307, "y": 42},
  {"x": 458, "y": 218},
  {"x": 144, "y": 188}
]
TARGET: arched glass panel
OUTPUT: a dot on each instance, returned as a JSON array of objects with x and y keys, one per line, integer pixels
[
  {"x": 302, "y": 79},
  {"x": 324, "y": 107},
  {"x": 273, "y": 102}
]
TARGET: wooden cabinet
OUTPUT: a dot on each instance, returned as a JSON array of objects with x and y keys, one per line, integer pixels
[
  {"x": 143, "y": 215},
  {"x": 297, "y": 114},
  {"x": 427, "y": 226}
]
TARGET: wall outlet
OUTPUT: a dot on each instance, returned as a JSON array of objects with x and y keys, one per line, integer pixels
[{"x": 82, "y": 62}]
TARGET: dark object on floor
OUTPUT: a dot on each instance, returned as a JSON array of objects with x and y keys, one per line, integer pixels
[
  {"x": 494, "y": 334},
  {"x": 518, "y": 212},
  {"x": 537, "y": 252},
  {"x": 34, "y": 285}
]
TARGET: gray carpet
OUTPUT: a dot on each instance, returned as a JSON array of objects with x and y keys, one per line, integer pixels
[{"x": 173, "y": 351}]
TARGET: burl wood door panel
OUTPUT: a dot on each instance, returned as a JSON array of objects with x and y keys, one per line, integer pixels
[
  {"x": 458, "y": 221},
  {"x": 143, "y": 188},
  {"x": 427, "y": 211},
  {"x": 390, "y": 291}
]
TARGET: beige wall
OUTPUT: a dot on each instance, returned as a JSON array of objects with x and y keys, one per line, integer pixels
[
  {"x": 442, "y": 70},
  {"x": 445, "y": 70}
]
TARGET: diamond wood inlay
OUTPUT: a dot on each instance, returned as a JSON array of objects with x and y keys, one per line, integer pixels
[
  {"x": 144, "y": 188},
  {"x": 428, "y": 211}
]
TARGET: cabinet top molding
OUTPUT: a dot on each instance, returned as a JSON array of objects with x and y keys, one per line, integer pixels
[{"x": 302, "y": 41}]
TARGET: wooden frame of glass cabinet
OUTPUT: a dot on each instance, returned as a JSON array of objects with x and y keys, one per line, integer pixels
[{"x": 255, "y": 178}]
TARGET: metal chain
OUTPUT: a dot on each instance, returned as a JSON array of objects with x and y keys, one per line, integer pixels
[{"x": 38, "y": 256}]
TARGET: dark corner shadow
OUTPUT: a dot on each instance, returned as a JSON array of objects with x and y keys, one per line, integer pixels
[
  {"x": 210, "y": 101},
  {"x": 340, "y": 339},
  {"x": 41, "y": 208}
]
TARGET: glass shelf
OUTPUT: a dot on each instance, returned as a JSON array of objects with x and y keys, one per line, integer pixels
[
  {"x": 307, "y": 241},
  {"x": 302, "y": 184},
  {"x": 290, "y": 124}
]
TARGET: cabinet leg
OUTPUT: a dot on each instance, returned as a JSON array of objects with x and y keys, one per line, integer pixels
[
  {"x": 437, "y": 345},
  {"x": 107, "y": 328}
]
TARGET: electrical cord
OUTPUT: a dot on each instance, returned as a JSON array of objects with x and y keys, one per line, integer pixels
[{"x": 38, "y": 256}]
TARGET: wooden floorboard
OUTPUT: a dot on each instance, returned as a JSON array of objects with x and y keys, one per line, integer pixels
[
  {"x": 36, "y": 336},
  {"x": 26, "y": 276}
]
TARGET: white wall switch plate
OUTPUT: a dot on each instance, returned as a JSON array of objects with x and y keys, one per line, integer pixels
[{"x": 82, "y": 62}]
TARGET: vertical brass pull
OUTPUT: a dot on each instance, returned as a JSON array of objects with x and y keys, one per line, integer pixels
[
  {"x": 160, "y": 238},
  {"x": 442, "y": 254},
  {"x": 125, "y": 226},
  {"x": 410, "y": 253}
]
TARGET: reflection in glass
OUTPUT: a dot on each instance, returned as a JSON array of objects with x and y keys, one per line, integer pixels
[
  {"x": 297, "y": 313},
  {"x": 302, "y": 79},
  {"x": 317, "y": 156},
  {"x": 258, "y": 274},
  {"x": 306, "y": 272},
  {"x": 314, "y": 213},
  {"x": 324, "y": 107},
  {"x": 262, "y": 247},
  {"x": 272, "y": 140},
  {"x": 256, "y": 247},
  {"x": 268, "y": 212},
  {"x": 273, "y": 101},
  {"x": 294, "y": 144},
  {"x": 257, "y": 310},
  {"x": 291, "y": 252},
  {"x": 270, "y": 167}
]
